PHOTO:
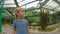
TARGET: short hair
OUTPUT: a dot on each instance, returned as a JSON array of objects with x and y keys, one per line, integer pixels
[{"x": 17, "y": 10}]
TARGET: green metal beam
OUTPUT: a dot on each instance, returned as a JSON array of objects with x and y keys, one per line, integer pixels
[
  {"x": 1, "y": 8},
  {"x": 9, "y": 12},
  {"x": 16, "y": 3},
  {"x": 44, "y": 2}
]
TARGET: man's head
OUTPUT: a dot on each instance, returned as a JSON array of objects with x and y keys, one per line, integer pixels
[{"x": 19, "y": 12}]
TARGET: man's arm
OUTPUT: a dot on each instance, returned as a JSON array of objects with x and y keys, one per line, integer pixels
[
  {"x": 28, "y": 30},
  {"x": 14, "y": 30}
]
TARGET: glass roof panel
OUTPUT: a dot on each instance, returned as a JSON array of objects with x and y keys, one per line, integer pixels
[
  {"x": 23, "y": 6},
  {"x": 19, "y": 1},
  {"x": 32, "y": 5},
  {"x": 52, "y": 4},
  {"x": 4, "y": 14},
  {"x": 9, "y": 3},
  {"x": 58, "y": 9},
  {"x": 25, "y": 1},
  {"x": 58, "y": 0},
  {"x": 48, "y": 7}
]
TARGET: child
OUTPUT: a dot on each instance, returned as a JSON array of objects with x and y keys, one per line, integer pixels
[{"x": 20, "y": 25}]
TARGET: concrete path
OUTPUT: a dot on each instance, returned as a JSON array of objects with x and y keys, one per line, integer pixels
[{"x": 7, "y": 30}]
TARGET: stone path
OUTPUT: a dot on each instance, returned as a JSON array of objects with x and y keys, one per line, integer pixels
[{"x": 7, "y": 30}]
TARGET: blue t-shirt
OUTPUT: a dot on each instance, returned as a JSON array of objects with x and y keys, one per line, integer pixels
[{"x": 20, "y": 26}]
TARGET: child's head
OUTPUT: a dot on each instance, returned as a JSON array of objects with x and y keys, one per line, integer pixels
[{"x": 19, "y": 12}]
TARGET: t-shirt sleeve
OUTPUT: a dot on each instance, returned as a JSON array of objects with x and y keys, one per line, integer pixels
[{"x": 14, "y": 24}]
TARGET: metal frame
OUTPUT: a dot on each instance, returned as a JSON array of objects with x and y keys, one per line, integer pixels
[
  {"x": 35, "y": 8},
  {"x": 9, "y": 12},
  {"x": 57, "y": 2},
  {"x": 16, "y": 3},
  {"x": 9, "y": 4},
  {"x": 1, "y": 7},
  {"x": 21, "y": 1},
  {"x": 32, "y": 2}
]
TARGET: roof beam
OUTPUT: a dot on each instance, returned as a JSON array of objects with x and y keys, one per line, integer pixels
[
  {"x": 21, "y": 1},
  {"x": 57, "y": 2},
  {"x": 35, "y": 1},
  {"x": 16, "y": 3},
  {"x": 50, "y": 9},
  {"x": 28, "y": 3},
  {"x": 44, "y": 2},
  {"x": 10, "y": 4},
  {"x": 9, "y": 12},
  {"x": 57, "y": 7},
  {"x": 6, "y": 14},
  {"x": 46, "y": 8}
]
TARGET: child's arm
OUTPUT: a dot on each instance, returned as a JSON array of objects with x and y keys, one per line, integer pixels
[
  {"x": 14, "y": 30},
  {"x": 28, "y": 30}
]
